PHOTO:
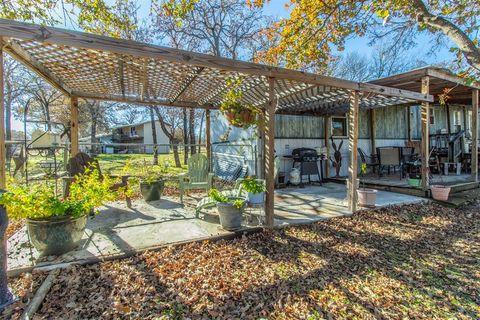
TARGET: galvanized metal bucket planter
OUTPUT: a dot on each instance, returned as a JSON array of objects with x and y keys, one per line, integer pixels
[
  {"x": 230, "y": 216},
  {"x": 152, "y": 191},
  {"x": 57, "y": 235},
  {"x": 255, "y": 198}
]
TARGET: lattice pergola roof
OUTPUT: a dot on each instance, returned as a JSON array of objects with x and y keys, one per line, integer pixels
[{"x": 97, "y": 67}]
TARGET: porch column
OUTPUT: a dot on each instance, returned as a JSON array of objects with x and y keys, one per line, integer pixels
[
  {"x": 73, "y": 126},
  {"x": 409, "y": 124},
  {"x": 208, "y": 141},
  {"x": 269, "y": 151},
  {"x": 327, "y": 131},
  {"x": 425, "y": 134},
  {"x": 475, "y": 134},
  {"x": 373, "y": 135},
  {"x": 353, "y": 145},
  {"x": 3, "y": 176}
]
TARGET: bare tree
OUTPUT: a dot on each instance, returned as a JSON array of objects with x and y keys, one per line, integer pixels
[{"x": 170, "y": 120}]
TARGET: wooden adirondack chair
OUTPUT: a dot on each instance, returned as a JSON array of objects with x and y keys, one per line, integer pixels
[{"x": 197, "y": 176}]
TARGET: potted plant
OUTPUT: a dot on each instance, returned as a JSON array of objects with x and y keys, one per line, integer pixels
[
  {"x": 366, "y": 197},
  {"x": 414, "y": 180},
  {"x": 238, "y": 114},
  {"x": 55, "y": 225},
  {"x": 229, "y": 209},
  {"x": 150, "y": 179},
  {"x": 255, "y": 189}
]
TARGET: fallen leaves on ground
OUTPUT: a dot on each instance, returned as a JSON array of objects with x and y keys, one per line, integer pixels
[{"x": 415, "y": 261}]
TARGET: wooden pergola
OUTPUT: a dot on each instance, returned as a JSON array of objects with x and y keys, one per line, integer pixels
[{"x": 87, "y": 66}]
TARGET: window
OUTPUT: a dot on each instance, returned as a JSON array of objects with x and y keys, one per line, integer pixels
[
  {"x": 133, "y": 131},
  {"x": 432, "y": 117},
  {"x": 339, "y": 126}
]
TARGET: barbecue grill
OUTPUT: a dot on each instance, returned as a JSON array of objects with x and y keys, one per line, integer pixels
[{"x": 306, "y": 159}]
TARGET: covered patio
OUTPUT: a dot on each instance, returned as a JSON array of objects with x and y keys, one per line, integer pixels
[{"x": 86, "y": 66}]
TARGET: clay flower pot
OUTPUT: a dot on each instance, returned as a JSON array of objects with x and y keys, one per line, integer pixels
[{"x": 440, "y": 192}]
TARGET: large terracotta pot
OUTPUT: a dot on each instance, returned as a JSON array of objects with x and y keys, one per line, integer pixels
[
  {"x": 440, "y": 192},
  {"x": 56, "y": 235}
]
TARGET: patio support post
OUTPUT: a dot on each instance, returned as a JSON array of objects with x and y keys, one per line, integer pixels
[
  {"x": 208, "y": 137},
  {"x": 73, "y": 126},
  {"x": 373, "y": 136},
  {"x": 409, "y": 124},
  {"x": 270, "y": 152},
  {"x": 327, "y": 131},
  {"x": 353, "y": 145},
  {"x": 475, "y": 134},
  {"x": 425, "y": 134},
  {"x": 3, "y": 176}
]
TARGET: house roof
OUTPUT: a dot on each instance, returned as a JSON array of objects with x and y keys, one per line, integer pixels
[
  {"x": 440, "y": 79},
  {"x": 96, "y": 67},
  {"x": 136, "y": 124}
]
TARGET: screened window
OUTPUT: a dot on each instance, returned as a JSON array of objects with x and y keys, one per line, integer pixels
[{"x": 339, "y": 126}]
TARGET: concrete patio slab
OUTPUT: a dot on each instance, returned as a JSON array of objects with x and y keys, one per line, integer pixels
[{"x": 118, "y": 231}]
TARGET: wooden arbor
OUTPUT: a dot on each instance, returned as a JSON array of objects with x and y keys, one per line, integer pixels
[{"x": 86, "y": 66}]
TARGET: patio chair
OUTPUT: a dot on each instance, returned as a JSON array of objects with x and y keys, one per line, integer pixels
[
  {"x": 197, "y": 176},
  {"x": 390, "y": 157},
  {"x": 78, "y": 164},
  {"x": 371, "y": 161}
]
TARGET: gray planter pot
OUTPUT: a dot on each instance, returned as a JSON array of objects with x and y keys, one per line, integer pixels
[
  {"x": 57, "y": 235},
  {"x": 152, "y": 191},
  {"x": 230, "y": 216}
]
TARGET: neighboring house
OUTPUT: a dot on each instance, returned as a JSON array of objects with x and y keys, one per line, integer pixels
[
  {"x": 139, "y": 135},
  {"x": 131, "y": 138},
  {"x": 392, "y": 125}
]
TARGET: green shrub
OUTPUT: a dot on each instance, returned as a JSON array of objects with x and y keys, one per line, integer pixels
[{"x": 253, "y": 185}]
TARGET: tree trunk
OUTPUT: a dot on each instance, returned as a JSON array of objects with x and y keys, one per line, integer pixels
[
  {"x": 185, "y": 135},
  {"x": 466, "y": 45},
  {"x": 8, "y": 123},
  {"x": 154, "y": 137},
  {"x": 176, "y": 155},
  {"x": 170, "y": 135},
  {"x": 191, "y": 129},
  {"x": 93, "y": 133},
  {"x": 200, "y": 132}
]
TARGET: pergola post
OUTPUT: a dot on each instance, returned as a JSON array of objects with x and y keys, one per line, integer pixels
[
  {"x": 474, "y": 160},
  {"x": 73, "y": 127},
  {"x": 270, "y": 152},
  {"x": 208, "y": 137},
  {"x": 425, "y": 134},
  {"x": 3, "y": 176},
  {"x": 353, "y": 145},
  {"x": 327, "y": 131},
  {"x": 373, "y": 135}
]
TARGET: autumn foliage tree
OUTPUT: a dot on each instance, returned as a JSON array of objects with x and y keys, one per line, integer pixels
[{"x": 313, "y": 26}]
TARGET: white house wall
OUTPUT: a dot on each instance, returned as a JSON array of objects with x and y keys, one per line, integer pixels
[{"x": 161, "y": 138}]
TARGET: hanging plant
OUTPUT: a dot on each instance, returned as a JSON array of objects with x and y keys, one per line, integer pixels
[{"x": 238, "y": 114}]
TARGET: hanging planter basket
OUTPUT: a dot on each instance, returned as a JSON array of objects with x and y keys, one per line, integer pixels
[{"x": 242, "y": 119}]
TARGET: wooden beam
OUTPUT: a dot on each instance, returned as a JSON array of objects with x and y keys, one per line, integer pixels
[
  {"x": 474, "y": 160},
  {"x": 17, "y": 52},
  {"x": 409, "y": 124},
  {"x": 208, "y": 137},
  {"x": 327, "y": 131},
  {"x": 141, "y": 101},
  {"x": 27, "y": 31},
  {"x": 3, "y": 153},
  {"x": 187, "y": 83},
  {"x": 270, "y": 152},
  {"x": 425, "y": 143},
  {"x": 373, "y": 126},
  {"x": 451, "y": 78},
  {"x": 353, "y": 145},
  {"x": 449, "y": 125},
  {"x": 73, "y": 127}
]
